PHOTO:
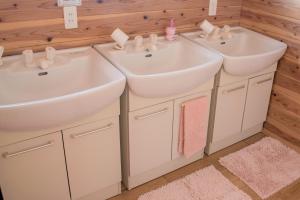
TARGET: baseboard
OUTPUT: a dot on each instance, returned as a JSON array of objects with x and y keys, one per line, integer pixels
[
  {"x": 104, "y": 193},
  {"x": 221, "y": 144},
  {"x": 134, "y": 181}
]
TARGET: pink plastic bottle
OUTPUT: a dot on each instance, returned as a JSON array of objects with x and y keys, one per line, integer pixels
[{"x": 171, "y": 31}]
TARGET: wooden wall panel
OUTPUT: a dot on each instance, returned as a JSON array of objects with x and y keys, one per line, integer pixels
[
  {"x": 39, "y": 23},
  {"x": 280, "y": 19}
]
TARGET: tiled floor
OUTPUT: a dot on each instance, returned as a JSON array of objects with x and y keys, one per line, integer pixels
[{"x": 291, "y": 192}]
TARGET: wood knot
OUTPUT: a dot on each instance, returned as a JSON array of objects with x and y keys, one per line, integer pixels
[{"x": 49, "y": 39}]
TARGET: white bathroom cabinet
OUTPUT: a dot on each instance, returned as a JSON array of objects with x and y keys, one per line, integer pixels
[
  {"x": 149, "y": 134},
  {"x": 240, "y": 107},
  {"x": 229, "y": 110},
  {"x": 258, "y": 97},
  {"x": 150, "y": 137},
  {"x": 34, "y": 169},
  {"x": 93, "y": 156}
]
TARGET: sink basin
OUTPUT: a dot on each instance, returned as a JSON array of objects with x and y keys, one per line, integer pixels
[
  {"x": 175, "y": 67},
  {"x": 247, "y": 52},
  {"x": 79, "y": 83}
]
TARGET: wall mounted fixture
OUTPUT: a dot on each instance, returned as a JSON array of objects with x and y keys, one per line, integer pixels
[{"x": 213, "y": 4}]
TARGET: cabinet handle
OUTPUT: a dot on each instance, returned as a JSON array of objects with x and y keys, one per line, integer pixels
[
  {"x": 234, "y": 89},
  {"x": 108, "y": 126},
  {"x": 263, "y": 81},
  {"x": 9, "y": 155},
  {"x": 139, "y": 117}
]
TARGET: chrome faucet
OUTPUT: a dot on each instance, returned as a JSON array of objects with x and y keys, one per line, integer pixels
[
  {"x": 139, "y": 43},
  {"x": 153, "y": 42},
  {"x": 226, "y": 32},
  {"x": 50, "y": 56},
  {"x": 28, "y": 58}
]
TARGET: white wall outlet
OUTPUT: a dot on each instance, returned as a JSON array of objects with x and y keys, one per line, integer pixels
[
  {"x": 213, "y": 4},
  {"x": 70, "y": 15},
  {"x": 62, "y": 3}
]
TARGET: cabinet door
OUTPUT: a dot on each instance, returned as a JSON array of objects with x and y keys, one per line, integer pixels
[
  {"x": 229, "y": 110},
  {"x": 176, "y": 122},
  {"x": 93, "y": 156},
  {"x": 34, "y": 169},
  {"x": 150, "y": 137},
  {"x": 258, "y": 97}
]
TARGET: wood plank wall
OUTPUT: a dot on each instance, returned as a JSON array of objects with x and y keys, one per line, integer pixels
[
  {"x": 39, "y": 23},
  {"x": 280, "y": 19}
]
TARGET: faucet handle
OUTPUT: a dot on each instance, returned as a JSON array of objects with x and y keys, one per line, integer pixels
[
  {"x": 153, "y": 38},
  {"x": 28, "y": 55},
  {"x": 226, "y": 29},
  {"x": 50, "y": 54},
  {"x": 44, "y": 63},
  {"x": 226, "y": 34},
  {"x": 139, "y": 43},
  {"x": 153, "y": 41},
  {"x": 1, "y": 54},
  {"x": 215, "y": 34}
]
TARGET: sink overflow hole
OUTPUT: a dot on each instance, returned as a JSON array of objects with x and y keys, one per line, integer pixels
[
  {"x": 148, "y": 55},
  {"x": 42, "y": 73},
  {"x": 223, "y": 43}
]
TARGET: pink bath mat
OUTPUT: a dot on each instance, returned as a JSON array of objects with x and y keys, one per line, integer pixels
[
  {"x": 205, "y": 184},
  {"x": 266, "y": 166}
]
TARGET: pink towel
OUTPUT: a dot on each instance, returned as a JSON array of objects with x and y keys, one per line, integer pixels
[{"x": 193, "y": 126}]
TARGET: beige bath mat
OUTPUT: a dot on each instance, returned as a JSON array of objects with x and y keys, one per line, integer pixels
[{"x": 205, "y": 184}]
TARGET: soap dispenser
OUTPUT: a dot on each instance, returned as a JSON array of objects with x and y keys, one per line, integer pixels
[{"x": 171, "y": 31}]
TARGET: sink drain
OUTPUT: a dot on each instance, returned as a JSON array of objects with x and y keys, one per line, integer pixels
[{"x": 43, "y": 73}]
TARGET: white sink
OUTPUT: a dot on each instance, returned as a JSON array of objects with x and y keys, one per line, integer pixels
[
  {"x": 79, "y": 83},
  {"x": 175, "y": 67},
  {"x": 247, "y": 52}
]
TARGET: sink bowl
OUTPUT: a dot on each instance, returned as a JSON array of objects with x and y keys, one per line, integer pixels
[
  {"x": 79, "y": 83},
  {"x": 247, "y": 52},
  {"x": 175, "y": 67}
]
